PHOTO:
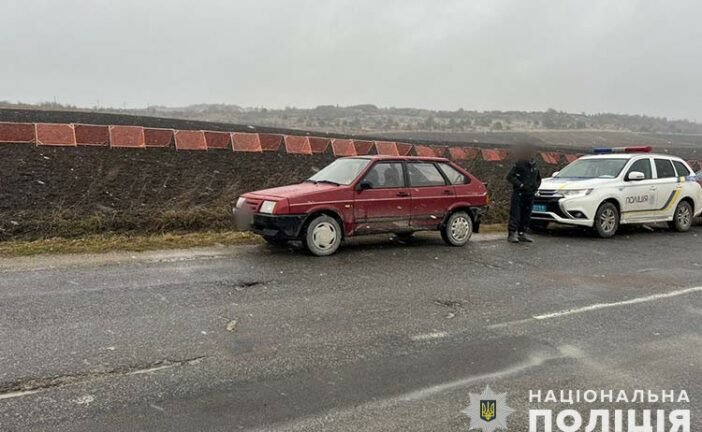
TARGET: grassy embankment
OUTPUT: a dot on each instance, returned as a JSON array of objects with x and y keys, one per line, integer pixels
[{"x": 101, "y": 243}]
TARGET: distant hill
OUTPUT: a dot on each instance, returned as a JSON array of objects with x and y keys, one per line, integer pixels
[
  {"x": 370, "y": 118},
  {"x": 500, "y": 128}
]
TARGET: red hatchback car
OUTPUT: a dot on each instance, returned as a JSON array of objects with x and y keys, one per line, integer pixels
[{"x": 368, "y": 195}]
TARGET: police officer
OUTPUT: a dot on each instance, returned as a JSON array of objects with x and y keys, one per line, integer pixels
[{"x": 525, "y": 179}]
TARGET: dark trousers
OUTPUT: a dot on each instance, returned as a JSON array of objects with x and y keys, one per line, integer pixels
[{"x": 520, "y": 212}]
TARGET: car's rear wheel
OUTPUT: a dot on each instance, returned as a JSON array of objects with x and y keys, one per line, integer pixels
[
  {"x": 458, "y": 229},
  {"x": 682, "y": 219},
  {"x": 607, "y": 220},
  {"x": 323, "y": 236},
  {"x": 274, "y": 241}
]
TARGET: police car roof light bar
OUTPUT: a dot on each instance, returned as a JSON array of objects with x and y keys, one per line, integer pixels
[{"x": 609, "y": 150}]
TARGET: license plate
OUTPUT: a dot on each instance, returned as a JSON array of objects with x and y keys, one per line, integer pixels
[{"x": 539, "y": 208}]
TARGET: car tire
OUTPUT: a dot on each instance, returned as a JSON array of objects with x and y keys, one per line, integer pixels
[
  {"x": 682, "y": 218},
  {"x": 323, "y": 236},
  {"x": 606, "y": 220},
  {"x": 274, "y": 241},
  {"x": 458, "y": 229}
]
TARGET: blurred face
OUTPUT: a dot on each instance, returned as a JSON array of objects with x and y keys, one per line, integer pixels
[{"x": 525, "y": 153}]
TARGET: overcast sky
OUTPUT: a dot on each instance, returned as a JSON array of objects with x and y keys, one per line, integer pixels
[{"x": 626, "y": 56}]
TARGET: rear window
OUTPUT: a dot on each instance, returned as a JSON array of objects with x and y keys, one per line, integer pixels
[
  {"x": 681, "y": 169},
  {"x": 454, "y": 176},
  {"x": 664, "y": 168},
  {"x": 424, "y": 174}
]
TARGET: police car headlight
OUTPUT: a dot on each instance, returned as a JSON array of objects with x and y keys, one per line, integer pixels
[
  {"x": 240, "y": 202},
  {"x": 267, "y": 207},
  {"x": 575, "y": 192}
]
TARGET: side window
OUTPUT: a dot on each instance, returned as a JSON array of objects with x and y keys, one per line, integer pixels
[
  {"x": 385, "y": 175},
  {"x": 644, "y": 166},
  {"x": 424, "y": 174},
  {"x": 681, "y": 169},
  {"x": 664, "y": 168},
  {"x": 453, "y": 175}
]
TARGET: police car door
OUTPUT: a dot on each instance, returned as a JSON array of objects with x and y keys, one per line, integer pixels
[
  {"x": 668, "y": 188},
  {"x": 639, "y": 195}
]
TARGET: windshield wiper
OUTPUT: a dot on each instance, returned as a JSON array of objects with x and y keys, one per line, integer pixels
[
  {"x": 310, "y": 181},
  {"x": 328, "y": 181}
]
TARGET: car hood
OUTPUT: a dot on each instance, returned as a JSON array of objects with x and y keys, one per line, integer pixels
[
  {"x": 294, "y": 191},
  {"x": 558, "y": 183}
]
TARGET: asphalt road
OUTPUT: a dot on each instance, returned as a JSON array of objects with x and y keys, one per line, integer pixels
[{"x": 381, "y": 337}]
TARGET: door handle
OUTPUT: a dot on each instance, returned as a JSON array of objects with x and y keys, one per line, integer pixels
[
  {"x": 447, "y": 192},
  {"x": 403, "y": 194},
  {"x": 653, "y": 188}
]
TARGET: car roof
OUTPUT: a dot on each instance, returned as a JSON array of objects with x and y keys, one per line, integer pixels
[
  {"x": 629, "y": 156},
  {"x": 408, "y": 158}
]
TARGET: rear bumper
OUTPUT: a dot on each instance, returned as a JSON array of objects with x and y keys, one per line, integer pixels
[
  {"x": 478, "y": 213},
  {"x": 283, "y": 227}
]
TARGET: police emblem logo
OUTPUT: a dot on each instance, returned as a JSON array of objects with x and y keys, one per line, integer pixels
[{"x": 488, "y": 411}]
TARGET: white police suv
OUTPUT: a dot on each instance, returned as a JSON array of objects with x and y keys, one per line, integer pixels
[{"x": 627, "y": 185}]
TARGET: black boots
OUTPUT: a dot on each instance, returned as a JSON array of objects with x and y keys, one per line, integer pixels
[
  {"x": 517, "y": 238},
  {"x": 525, "y": 238}
]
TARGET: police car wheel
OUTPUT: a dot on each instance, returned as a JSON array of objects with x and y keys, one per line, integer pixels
[
  {"x": 274, "y": 241},
  {"x": 458, "y": 229},
  {"x": 682, "y": 219},
  {"x": 607, "y": 220},
  {"x": 323, "y": 236}
]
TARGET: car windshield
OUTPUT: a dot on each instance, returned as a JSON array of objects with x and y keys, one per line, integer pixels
[
  {"x": 593, "y": 168},
  {"x": 341, "y": 171}
]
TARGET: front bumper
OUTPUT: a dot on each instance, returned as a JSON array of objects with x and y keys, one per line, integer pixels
[
  {"x": 283, "y": 227},
  {"x": 567, "y": 211}
]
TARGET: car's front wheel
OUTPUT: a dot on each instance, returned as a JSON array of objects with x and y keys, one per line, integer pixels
[
  {"x": 458, "y": 229},
  {"x": 323, "y": 236},
  {"x": 682, "y": 219},
  {"x": 607, "y": 220}
]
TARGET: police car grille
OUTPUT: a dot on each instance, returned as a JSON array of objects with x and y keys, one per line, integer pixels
[{"x": 547, "y": 192}]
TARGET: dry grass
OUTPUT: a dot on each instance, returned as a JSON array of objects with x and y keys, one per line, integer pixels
[
  {"x": 98, "y": 243},
  {"x": 493, "y": 228},
  {"x": 101, "y": 243}
]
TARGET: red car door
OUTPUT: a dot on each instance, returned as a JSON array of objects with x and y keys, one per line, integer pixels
[
  {"x": 382, "y": 201},
  {"x": 431, "y": 194}
]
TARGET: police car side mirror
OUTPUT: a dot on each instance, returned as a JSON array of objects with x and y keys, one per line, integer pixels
[{"x": 635, "y": 176}]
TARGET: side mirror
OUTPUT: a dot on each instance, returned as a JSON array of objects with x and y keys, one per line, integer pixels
[
  {"x": 363, "y": 186},
  {"x": 635, "y": 176},
  {"x": 555, "y": 173}
]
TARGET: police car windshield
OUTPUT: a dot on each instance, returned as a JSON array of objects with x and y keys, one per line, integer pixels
[
  {"x": 593, "y": 168},
  {"x": 340, "y": 172}
]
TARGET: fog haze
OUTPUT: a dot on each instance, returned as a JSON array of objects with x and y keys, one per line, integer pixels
[{"x": 637, "y": 57}]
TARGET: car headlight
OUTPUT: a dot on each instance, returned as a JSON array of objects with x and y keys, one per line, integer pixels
[
  {"x": 240, "y": 202},
  {"x": 576, "y": 192},
  {"x": 267, "y": 207}
]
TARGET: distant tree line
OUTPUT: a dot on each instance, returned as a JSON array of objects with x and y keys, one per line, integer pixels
[{"x": 370, "y": 118}]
